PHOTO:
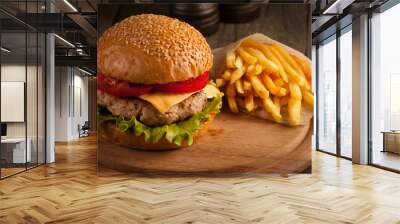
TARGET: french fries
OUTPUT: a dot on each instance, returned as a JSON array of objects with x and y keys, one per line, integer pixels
[
  {"x": 288, "y": 58},
  {"x": 295, "y": 92},
  {"x": 254, "y": 70},
  {"x": 265, "y": 50},
  {"x": 246, "y": 85},
  {"x": 264, "y": 61},
  {"x": 239, "y": 86},
  {"x": 258, "y": 87},
  {"x": 237, "y": 74},
  {"x": 238, "y": 62},
  {"x": 279, "y": 82},
  {"x": 220, "y": 82},
  {"x": 292, "y": 74},
  {"x": 227, "y": 75},
  {"x": 294, "y": 104},
  {"x": 267, "y": 77},
  {"x": 249, "y": 102},
  {"x": 270, "y": 107},
  {"x": 277, "y": 102},
  {"x": 230, "y": 92},
  {"x": 308, "y": 98},
  {"x": 248, "y": 58},
  {"x": 270, "y": 84},
  {"x": 294, "y": 109},
  {"x": 305, "y": 66},
  {"x": 230, "y": 59}
]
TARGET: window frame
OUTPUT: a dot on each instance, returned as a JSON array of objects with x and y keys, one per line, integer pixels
[
  {"x": 27, "y": 29},
  {"x": 378, "y": 10},
  {"x": 334, "y": 37}
]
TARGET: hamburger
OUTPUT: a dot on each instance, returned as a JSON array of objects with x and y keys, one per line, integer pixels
[{"x": 153, "y": 88}]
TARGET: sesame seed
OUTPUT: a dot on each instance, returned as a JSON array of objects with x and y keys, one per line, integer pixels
[{"x": 162, "y": 37}]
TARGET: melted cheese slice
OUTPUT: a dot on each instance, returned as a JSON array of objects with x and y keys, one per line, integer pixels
[{"x": 164, "y": 101}]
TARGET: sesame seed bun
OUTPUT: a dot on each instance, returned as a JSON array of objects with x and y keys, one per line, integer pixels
[{"x": 153, "y": 49}]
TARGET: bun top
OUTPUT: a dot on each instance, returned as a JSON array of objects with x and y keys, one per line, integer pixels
[{"x": 152, "y": 49}]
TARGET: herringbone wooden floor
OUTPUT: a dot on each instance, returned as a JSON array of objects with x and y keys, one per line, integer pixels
[{"x": 70, "y": 191}]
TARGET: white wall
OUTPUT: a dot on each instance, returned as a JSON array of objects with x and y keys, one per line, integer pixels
[
  {"x": 14, "y": 73},
  {"x": 33, "y": 127},
  {"x": 71, "y": 102},
  {"x": 61, "y": 104},
  {"x": 17, "y": 73},
  {"x": 80, "y": 110}
]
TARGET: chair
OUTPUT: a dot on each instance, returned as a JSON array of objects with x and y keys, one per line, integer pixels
[{"x": 84, "y": 130}]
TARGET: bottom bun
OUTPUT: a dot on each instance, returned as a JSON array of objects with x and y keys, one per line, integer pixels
[{"x": 109, "y": 132}]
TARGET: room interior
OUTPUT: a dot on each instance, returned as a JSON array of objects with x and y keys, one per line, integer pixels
[{"x": 48, "y": 127}]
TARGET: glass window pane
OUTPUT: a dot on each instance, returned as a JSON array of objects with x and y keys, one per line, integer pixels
[
  {"x": 41, "y": 98},
  {"x": 31, "y": 97},
  {"x": 13, "y": 85},
  {"x": 346, "y": 93},
  {"x": 385, "y": 114},
  {"x": 327, "y": 96},
  {"x": 314, "y": 66},
  {"x": 23, "y": 91}
]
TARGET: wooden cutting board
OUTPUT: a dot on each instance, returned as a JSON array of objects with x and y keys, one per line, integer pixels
[{"x": 233, "y": 144}]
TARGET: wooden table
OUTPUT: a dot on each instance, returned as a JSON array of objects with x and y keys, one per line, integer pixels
[{"x": 391, "y": 141}]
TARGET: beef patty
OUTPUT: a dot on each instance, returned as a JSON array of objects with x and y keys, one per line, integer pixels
[{"x": 147, "y": 113}]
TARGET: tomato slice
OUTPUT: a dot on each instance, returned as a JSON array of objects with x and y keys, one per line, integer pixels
[
  {"x": 121, "y": 88},
  {"x": 126, "y": 89},
  {"x": 187, "y": 86}
]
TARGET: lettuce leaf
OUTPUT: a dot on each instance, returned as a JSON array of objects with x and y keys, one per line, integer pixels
[{"x": 176, "y": 133}]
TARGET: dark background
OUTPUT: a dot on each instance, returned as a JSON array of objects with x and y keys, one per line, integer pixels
[{"x": 289, "y": 24}]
